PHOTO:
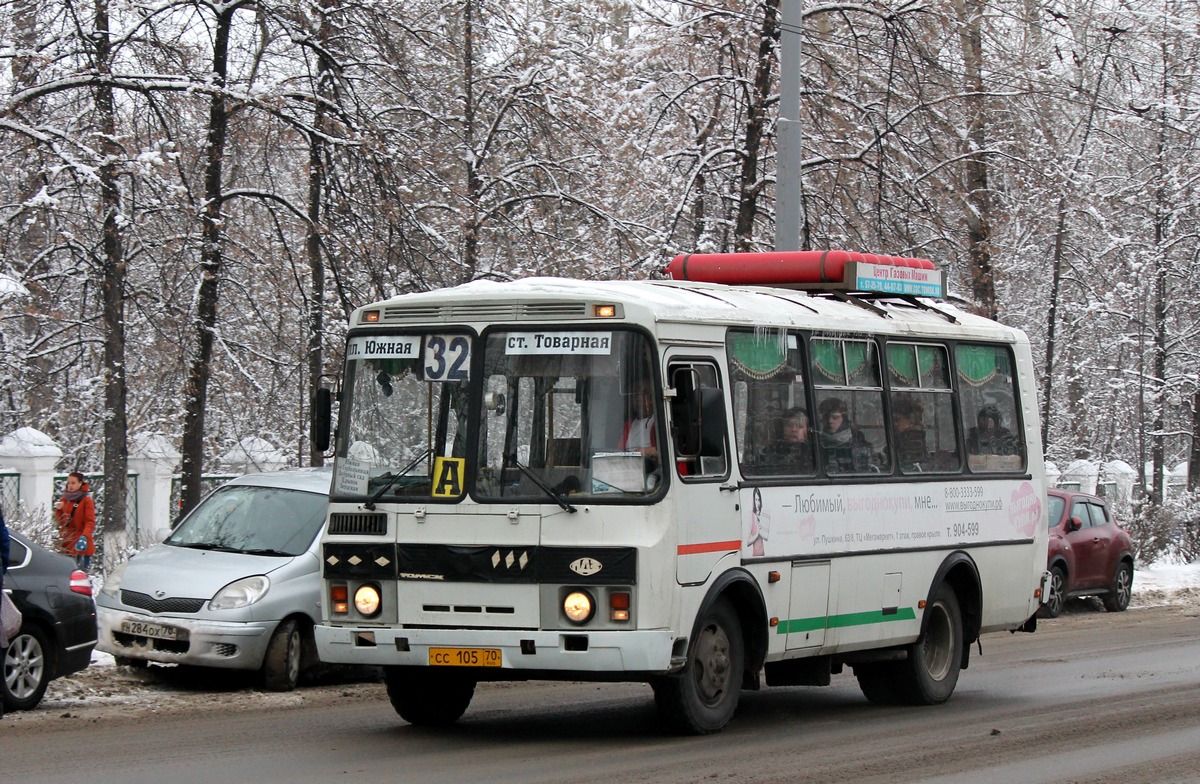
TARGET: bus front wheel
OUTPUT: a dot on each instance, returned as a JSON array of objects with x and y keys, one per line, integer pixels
[
  {"x": 702, "y": 699},
  {"x": 426, "y": 697}
]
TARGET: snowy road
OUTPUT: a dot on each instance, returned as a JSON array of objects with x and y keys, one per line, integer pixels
[{"x": 1091, "y": 697}]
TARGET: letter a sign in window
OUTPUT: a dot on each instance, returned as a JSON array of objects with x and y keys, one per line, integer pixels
[{"x": 448, "y": 476}]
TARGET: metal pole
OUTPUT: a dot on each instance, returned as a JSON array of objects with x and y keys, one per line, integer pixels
[{"x": 788, "y": 205}]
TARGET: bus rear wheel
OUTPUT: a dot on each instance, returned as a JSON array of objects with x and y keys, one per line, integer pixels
[
  {"x": 427, "y": 697},
  {"x": 702, "y": 699},
  {"x": 929, "y": 672}
]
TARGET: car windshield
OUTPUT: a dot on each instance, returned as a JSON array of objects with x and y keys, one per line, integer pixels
[
  {"x": 258, "y": 520},
  {"x": 1055, "y": 506}
]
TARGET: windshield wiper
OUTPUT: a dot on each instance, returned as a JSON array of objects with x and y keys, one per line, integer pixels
[
  {"x": 207, "y": 546},
  {"x": 265, "y": 551},
  {"x": 537, "y": 480},
  {"x": 370, "y": 504}
]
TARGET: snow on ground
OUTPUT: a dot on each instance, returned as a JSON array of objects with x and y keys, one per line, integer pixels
[{"x": 1166, "y": 584}]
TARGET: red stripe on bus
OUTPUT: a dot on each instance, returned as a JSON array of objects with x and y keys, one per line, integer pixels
[{"x": 709, "y": 547}]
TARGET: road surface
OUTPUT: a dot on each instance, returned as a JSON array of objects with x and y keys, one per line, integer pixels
[{"x": 1092, "y": 697}]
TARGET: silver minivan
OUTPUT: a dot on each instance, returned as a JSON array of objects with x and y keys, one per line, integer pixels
[{"x": 236, "y": 585}]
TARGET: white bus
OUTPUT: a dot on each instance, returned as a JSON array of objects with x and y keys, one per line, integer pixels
[{"x": 698, "y": 485}]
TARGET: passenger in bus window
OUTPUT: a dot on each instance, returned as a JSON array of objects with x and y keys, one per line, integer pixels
[
  {"x": 908, "y": 413},
  {"x": 846, "y": 449},
  {"x": 792, "y": 454},
  {"x": 639, "y": 432},
  {"x": 990, "y": 436}
]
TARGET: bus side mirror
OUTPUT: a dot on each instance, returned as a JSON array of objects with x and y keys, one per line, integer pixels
[
  {"x": 711, "y": 406},
  {"x": 322, "y": 416},
  {"x": 699, "y": 422}
]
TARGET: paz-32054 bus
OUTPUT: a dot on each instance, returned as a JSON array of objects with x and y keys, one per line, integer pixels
[{"x": 691, "y": 482}]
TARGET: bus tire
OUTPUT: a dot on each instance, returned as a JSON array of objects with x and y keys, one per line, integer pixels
[
  {"x": 878, "y": 682},
  {"x": 426, "y": 697},
  {"x": 929, "y": 674},
  {"x": 702, "y": 699}
]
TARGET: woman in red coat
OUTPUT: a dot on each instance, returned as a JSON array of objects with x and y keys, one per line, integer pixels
[{"x": 77, "y": 521}]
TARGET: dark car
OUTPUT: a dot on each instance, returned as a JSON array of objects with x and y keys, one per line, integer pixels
[
  {"x": 58, "y": 624},
  {"x": 1089, "y": 555}
]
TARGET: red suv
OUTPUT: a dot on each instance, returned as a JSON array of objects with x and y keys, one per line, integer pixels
[{"x": 1090, "y": 555}]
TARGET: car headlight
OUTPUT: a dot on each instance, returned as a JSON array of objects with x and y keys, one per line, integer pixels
[
  {"x": 579, "y": 607},
  {"x": 240, "y": 593},
  {"x": 367, "y": 600}
]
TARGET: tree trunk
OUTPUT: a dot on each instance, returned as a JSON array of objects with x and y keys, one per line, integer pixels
[
  {"x": 312, "y": 240},
  {"x": 196, "y": 385},
  {"x": 116, "y": 450},
  {"x": 471, "y": 224},
  {"x": 978, "y": 196},
  {"x": 751, "y": 183},
  {"x": 1194, "y": 452}
]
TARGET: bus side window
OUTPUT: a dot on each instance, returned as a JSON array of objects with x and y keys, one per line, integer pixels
[
  {"x": 773, "y": 427},
  {"x": 987, "y": 389},
  {"x": 924, "y": 435},
  {"x": 851, "y": 431}
]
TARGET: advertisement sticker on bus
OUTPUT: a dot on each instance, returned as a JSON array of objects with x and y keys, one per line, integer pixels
[{"x": 778, "y": 521}]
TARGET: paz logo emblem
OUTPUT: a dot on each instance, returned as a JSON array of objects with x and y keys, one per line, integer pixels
[
  {"x": 585, "y": 566},
  {"x": 160, "y": 594}
]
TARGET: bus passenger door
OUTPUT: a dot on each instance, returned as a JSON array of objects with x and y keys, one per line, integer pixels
[{"x": 705, "y": 504}]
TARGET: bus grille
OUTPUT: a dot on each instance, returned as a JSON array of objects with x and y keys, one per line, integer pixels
[
  {"x": 358, "y": 524},
  {"x": 483, "y": 312}
]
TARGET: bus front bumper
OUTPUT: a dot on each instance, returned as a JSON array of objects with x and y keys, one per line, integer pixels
[{"x": 606, "y": 652}]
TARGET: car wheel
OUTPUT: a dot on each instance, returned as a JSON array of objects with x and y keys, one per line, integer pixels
[
  {"x": 703, "y": 698},
  {"x": 1117, "y": 599},
  {"x": 1058, "y": 593},
  {"x": 281, "y": 667},
  {"x": 427, "y": 697},
  {"x": 26, "y": 669}
]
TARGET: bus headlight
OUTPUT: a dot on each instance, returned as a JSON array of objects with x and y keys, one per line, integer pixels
[
  {"x": 579, "y": 607},
  {"x": 367, "y": 600}
]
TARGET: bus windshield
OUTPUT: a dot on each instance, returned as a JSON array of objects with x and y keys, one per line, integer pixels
[
  {"x": 568, "y": 413},
  {"x": 404, "y": 410}
]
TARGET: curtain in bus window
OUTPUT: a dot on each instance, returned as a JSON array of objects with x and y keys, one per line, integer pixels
[
  {"x": 908, "y": 364},
  {"x": 760, "y": 355},
  {"x": 840, "y": 362}
]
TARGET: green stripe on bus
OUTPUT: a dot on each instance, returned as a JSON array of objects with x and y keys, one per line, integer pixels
[{"x": 796, "y": 625}]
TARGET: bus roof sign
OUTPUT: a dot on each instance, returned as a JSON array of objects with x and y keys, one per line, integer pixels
[
  {"x": 889, "y": 279},
  {"x": 819, "y": 270}
]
